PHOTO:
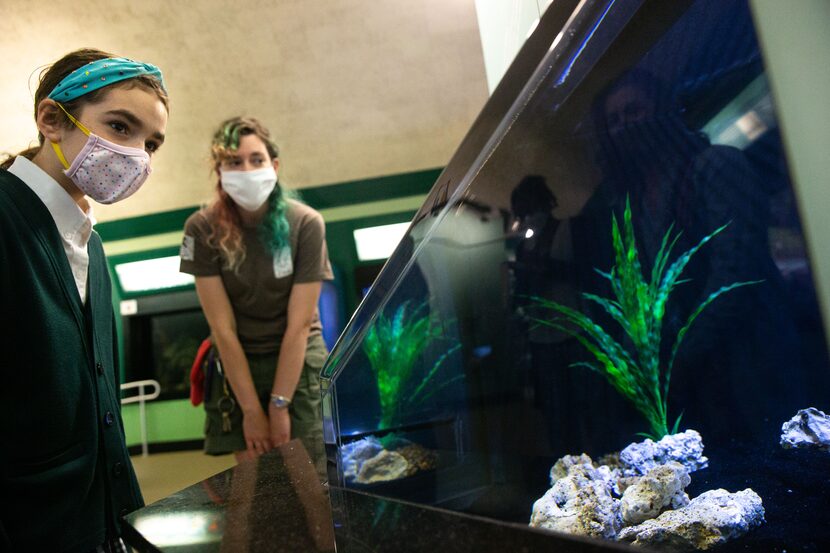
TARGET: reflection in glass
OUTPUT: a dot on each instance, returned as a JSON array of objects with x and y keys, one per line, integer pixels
[
  {"x": 624, "y": 257},
  {"x": 393, "y": 345}
]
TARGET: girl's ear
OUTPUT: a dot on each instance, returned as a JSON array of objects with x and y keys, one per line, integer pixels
[
  {"x": 276, "y": 164},
  {"x": 50, "y": 120}
]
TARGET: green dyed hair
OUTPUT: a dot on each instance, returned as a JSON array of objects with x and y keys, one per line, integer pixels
[{"x": 273, "y": 229}]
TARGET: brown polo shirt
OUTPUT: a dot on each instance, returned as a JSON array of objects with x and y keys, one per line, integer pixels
[{"x": 260, "y": 287}]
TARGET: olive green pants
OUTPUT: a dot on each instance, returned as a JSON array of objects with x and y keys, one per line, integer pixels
[{"x": 305, "y": 408}]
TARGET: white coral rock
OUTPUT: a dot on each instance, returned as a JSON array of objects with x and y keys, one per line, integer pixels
[
  {"x": 710, "y": 519},
  {"x": 578, "y": 504},
  {"x": 685, "y": 448},
  {"x": 808, "y": 428},
  {"x": 563, "y": 465},
  {"x": 660, "y": 488},
  {"x": 385, "y": 466},
  {"x": 356, "y": 453}
]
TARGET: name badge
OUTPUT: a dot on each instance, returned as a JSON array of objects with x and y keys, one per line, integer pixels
[{"x": 283, "y": 265}]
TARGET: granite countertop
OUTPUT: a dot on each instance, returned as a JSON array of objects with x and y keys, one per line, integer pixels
[
  {"x": 277, "y": 503},
  {"x": 272, "y": 503}
]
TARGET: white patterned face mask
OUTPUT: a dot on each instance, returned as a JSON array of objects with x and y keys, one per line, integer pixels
[
  {"x": 249, "y": 189},
  {"x": 105, "y": 171}
]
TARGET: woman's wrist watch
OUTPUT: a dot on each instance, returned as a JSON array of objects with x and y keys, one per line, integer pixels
[{"x": 280, "y": 402}]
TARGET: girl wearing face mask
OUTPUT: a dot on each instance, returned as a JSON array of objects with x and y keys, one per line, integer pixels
[
  {"x": 259, "y": 259},
  {"x": 65, "y": 474}
]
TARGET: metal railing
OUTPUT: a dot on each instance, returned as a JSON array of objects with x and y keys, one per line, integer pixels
[{"x": 141, "y": 399}]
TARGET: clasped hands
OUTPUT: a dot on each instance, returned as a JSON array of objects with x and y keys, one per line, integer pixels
[{"x": 265, "y": 432}]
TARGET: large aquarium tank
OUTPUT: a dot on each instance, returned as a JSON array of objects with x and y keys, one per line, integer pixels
[{"x": 603, "y": 321}]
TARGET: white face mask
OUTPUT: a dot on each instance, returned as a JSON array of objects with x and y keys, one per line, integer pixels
[{"x": 249, "y": 189}]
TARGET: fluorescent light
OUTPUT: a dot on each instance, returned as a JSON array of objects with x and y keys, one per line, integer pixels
[
  {"x": 151, "y": 274},
  {"x": 378, "y": 242}
]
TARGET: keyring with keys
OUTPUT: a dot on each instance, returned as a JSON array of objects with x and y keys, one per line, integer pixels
[{"x": 226, "y": 403}]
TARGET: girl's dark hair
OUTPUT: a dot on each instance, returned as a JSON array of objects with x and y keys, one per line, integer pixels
[{"x": 53, "y": 74}]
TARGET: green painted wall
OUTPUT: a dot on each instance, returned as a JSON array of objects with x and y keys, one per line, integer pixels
[
  {"x": 167, "y": 421},
  {"x": 345, "y": 207}
]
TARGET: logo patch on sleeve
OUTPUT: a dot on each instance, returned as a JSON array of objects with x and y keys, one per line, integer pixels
[{"x": 186, "y": 250}]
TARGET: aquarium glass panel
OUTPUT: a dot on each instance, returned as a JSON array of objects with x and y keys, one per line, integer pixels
[{"x": 610, "y": 327}]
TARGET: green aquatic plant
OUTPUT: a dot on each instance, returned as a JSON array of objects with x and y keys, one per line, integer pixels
[
  {"x": 393, "y": 346},
  {"x": 638, "y": 307}
]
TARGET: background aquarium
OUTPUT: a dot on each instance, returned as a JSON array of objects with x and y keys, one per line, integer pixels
[
  {"x": 613, "y": 264},
  {"x": 161, "y": 339}
]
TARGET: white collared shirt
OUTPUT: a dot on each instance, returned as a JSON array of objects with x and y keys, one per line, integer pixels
[{"x": 74, "y": 226}]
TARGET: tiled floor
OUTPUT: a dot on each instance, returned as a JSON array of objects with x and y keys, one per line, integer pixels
[{"x": 161, "y": 474}]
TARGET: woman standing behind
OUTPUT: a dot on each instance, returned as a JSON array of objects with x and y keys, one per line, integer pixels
[
  {"x": 65, "y": 475},
  {"x": 259, "y": 260}
]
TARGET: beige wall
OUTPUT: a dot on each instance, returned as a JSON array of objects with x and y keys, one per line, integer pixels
[{"x": 350, "y": 88}]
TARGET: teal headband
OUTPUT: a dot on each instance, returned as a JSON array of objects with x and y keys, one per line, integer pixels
[{"x": 101, "y": 73}]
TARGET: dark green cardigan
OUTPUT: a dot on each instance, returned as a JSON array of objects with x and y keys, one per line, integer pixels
[{"x": 65, "y": 475}]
